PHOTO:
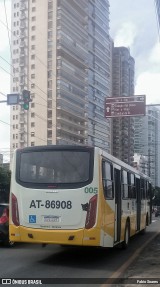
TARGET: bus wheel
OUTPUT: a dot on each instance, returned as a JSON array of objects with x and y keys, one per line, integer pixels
[{"x": 126, "y": 236}]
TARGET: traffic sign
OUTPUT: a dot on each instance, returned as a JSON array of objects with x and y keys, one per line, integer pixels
[
  {"x": 12, "y": 99},
  {"x": 125, "y": 106}
]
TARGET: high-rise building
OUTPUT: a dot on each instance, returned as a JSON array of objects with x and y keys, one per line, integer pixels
[
  {"x": 147, "y": 141},
  {"x": 61, "y": 53},
  {"x": 123, "y": 86},
  {"x": 157, "y": 2}
]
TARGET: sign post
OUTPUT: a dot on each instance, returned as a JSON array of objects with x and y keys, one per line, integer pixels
[{"x": 125, "y": 106}]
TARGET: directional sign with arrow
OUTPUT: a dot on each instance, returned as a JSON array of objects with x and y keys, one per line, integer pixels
[{"x": 125, "y": 106}]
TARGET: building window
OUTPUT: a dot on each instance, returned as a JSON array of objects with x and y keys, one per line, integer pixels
[
  {"x": 32, "y": 86},
  {"x": 32, "y": 105},
  {"x": 33, "y": 47},
  {"x": 32, "y": 57},
  {"x": 50, "y": 5},
  {"x": 32, "y": 115},
  {"x": 50, "y": 84},
  {"x": 33, "y": 9},
  {"x": 32, "y": 143},
  {"x": 49, "y": 64},
  {"x": 50, "y": 25},
  {"x": 32, "y": 76},
  {"x": 50, "y": 35},
  {"x": 49, "y": 124},
  {"x": 33, "y": 18},
  {"x": 50, "y": 94},
  {"x": 49, "y": 54},
  {"x": 50, "y": 74},
  {"x": 33, "y": 66},
  {"x": 50, "y": 15},
  {"x": 32, "y": 96},
  {"x": 33, "y": 28},
  {"x": 49, "y": 134},
  {"x": 33, "y": 38},
  {"x": 32, "y": 134},
  {"x": 49, "y": 114},
  {"x": 32, "y": 124},
  {"x": 49, "y": 105}
]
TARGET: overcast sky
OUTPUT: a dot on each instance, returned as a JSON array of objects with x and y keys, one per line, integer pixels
[{"x": 132, "y": 24}]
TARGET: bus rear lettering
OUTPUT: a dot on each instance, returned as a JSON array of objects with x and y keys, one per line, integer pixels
[
  {"x": 91, "y": 190},
  {"x": 34, "y": 203},
  {"x": 51, "y": 204}
]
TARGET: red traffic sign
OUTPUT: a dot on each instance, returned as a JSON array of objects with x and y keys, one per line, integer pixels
[{"x": 125, "y": 106}]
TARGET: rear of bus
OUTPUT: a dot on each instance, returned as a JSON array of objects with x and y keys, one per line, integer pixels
[{"x": 54, "y": 195}]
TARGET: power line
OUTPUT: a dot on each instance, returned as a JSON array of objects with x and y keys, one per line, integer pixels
[
  {"x": 5, "y": 123},
  {"x": 7, "y": 27}
]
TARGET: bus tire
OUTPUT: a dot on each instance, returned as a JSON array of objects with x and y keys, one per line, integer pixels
[{"x": 125, "y": 243}]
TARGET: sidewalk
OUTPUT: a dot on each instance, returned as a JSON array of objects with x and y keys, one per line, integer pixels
[{"x": 146, "y": 268}]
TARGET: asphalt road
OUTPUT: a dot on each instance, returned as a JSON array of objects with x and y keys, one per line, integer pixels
[{"x": 72, "y": 265}]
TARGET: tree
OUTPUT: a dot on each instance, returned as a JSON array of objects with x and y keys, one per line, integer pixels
[{"x": 5, "y": 178}]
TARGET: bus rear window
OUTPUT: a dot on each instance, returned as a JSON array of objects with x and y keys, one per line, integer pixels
[{"x": 54, "y": 167}]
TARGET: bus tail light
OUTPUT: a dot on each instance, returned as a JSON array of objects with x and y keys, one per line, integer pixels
[
  {"x": 91, "y": 212},
  {"x": 4, "y": 217},
  {"x": 15, "y": 212}
]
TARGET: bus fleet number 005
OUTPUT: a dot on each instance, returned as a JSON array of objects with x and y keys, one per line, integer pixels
[{"x": 51, "y": 204}]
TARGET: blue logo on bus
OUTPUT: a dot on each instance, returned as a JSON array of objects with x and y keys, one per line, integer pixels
[{"x": 32, "y": 218}]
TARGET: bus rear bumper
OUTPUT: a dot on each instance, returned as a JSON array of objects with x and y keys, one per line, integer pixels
[
  {"x": 30, "y": 235},
  {"x": 80, "y": 237}
]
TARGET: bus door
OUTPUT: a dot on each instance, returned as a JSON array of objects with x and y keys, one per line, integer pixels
[
  {"x": 118, "y": 204},
  {"x": 138, "y": 201}
]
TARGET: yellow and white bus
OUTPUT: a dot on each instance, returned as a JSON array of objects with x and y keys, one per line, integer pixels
[{"x": 76, "y": 195}]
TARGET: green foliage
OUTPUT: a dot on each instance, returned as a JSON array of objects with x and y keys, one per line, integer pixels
[{"x": 5, "y": 178}]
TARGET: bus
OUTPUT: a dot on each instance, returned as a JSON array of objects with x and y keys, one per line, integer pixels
[{"x": 76, "y": 195}]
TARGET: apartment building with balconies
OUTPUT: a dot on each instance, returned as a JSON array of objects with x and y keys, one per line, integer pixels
[{"x": 61, "y": 53}]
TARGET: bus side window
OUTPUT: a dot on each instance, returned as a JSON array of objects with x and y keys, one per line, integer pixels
[
  {"x": 107, "y": 178},
  {"x": 133, "y": 189},
  {"x": 125, "y": 188},
  {"x": 143, "y": 190},
  {"x": 147, "y": 190}
]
